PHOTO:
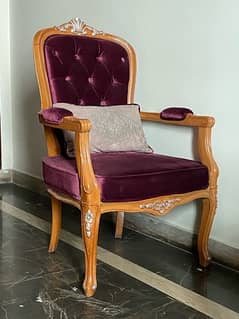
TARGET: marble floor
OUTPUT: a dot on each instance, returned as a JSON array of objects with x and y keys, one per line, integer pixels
[{"x": 35, "y": 284}]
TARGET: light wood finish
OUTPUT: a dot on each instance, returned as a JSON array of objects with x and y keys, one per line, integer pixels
[
  {"x": 90, "y": 244},
  {"x": 56, "y": 223},
  {"x": 208, "y": 212},
  {"x": 119, "y": 225},
  {"x": 90, "y": 204},
  {"x": 190, "y": 120}
]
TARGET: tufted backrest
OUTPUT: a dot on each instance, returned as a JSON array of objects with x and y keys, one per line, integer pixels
[{"x": 86, "y": 71}]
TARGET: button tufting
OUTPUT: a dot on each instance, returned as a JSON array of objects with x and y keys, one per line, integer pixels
[
  {"x": 98, "y": 76},
  {"x": 82, "y": 102},
  {"x": 55, "y": 53},
  {"x": 103, "y": 102},
  {"x": 115, "y": 82},
  {"x": 100, "y": 58},
  {"x": 77, "y": 57},
  {"x": 91, "y": 80}
]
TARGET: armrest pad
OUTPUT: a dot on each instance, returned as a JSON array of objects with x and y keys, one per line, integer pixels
[
  {"x": 55, "y": 115},
  {"x": 175, "y": 113}
]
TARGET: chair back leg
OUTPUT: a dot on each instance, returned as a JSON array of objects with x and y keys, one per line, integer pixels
[
  {"x": 56, "y": 207},
  {"x": 119, "y": 225}
]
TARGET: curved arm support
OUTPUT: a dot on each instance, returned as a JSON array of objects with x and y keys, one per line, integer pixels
[
  {"x": 205, "y": 154},
  {"x": 53, "y": 146},
  {"x": 69, "y": 123},
  {"x": 204, "y": 125},
  {"x": 90, "y": 192},
  {"x": 89, "y": 187}
]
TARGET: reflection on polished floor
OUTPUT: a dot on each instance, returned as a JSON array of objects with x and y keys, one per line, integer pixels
[{"x": 35, "y": 284}]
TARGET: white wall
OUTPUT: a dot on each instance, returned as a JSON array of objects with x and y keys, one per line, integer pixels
[
  {"x": 5, "y": 92},
  {"x": 187, "y": 55}
]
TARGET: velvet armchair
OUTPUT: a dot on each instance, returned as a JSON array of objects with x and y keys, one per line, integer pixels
[{"x": 81, "y": 66}]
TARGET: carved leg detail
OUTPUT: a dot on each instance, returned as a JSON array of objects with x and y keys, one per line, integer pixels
[
  {"x": 90, "y": 220},
  {"x": 56, "y": 224},
  {"x": 208, "y": 212},
  {"x": 119, "y": 225}
]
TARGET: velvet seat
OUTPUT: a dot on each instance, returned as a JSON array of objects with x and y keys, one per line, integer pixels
[
  {"x": 122, "y": 177},
  {"x": 77, "y": 64}
]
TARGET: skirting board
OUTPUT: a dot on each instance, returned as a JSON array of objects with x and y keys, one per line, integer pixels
[
  {"x": 32, "y": 183},
  {"x": 145, "y": 224},
  {"x": 5, "y": 176},
  {"x": 161, "y": 230}
]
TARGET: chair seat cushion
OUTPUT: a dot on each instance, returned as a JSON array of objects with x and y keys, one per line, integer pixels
[{"x": 128, "y": 176}]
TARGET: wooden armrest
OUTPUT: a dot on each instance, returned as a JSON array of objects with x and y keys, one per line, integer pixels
[
  {"x": 69, "y": 123},
  {"x": 190, "y": 120},
  {"x": 204, "y": 125},
  {"x": 81, "y": 127}
]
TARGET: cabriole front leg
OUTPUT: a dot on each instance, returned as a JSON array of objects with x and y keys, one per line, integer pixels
[
  {"x": 208, "y": 213},
  {"x": 90, "y": 229}
]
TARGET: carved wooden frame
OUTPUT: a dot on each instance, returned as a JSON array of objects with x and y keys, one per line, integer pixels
[{"x": 90, "y": 204}]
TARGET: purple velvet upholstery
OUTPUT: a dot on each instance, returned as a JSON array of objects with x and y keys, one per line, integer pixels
[
  {"x": 55, "y": 115},
  {"x": 128, "y": 176},
  {"x": 90, "y": 71},
  {"x": 86, "y": 71},
  {"x": 175, "y": 113}
]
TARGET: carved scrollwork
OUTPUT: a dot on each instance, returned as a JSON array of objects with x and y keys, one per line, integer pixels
[
  {"x": 161, "y": 206},
  {"x": 89, "y": 217},
  {"x": 76, "y": 25}
]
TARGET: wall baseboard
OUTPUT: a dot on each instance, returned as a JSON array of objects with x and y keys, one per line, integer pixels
[
  {"x": 146, "y": 224},
  {"x": 159, "y": 229},
  {"x": 5, "y": 176},
  {"x": 27, "y": 181}
]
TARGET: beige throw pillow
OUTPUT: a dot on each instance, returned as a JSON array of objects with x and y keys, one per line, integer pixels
[{"x": 114, "y": 128}]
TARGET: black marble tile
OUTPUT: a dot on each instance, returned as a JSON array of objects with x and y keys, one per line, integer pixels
[
  {"x": 217, "y": 283},
  {"x": 59, "y": 296},
  {"x": 35, "y": 284}
]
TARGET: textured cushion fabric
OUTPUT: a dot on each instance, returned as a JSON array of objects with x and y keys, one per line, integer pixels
[
  {"x": 114, "y": 128},
  {"x": 128, "y": 176},
  {"x": 86, "y": 71},
  {"x": 60, "y": 174},
  {"x": 55, "y": 115},
  {"x": 175, "y": 113}
]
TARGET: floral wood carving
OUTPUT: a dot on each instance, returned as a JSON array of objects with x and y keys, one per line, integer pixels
[
  {"x": 161, "y": 206},
  {"x": 76, "y": 25},
  {"x": 88, "y": 222}
]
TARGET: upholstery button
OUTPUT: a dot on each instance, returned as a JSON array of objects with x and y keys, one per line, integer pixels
[
  {"x": 77, "y": 57},
  {"x": 114, "y": 82},
  {"x": 67, "y": 78},
  {"x": 91, "y": 80},
  {"x": 103, "y": 102},
  {"x": 82, "y": 102},
  {"x": 122, "y": 59},
  {"x": 55, "y": 53},
  {"x": 100, "y": 58}
]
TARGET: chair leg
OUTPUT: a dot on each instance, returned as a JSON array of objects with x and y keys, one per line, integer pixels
[
  {"x": 56, "y": 224},
  {"x": 208, "y": 212},
  {"x": 119, "y": 225},
  {"x": 90, "y": 220}
]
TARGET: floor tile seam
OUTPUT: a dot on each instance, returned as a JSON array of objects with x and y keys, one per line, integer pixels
[
  {"x": 183, "y": 295},
  {"x": 41, "y": 276}
]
